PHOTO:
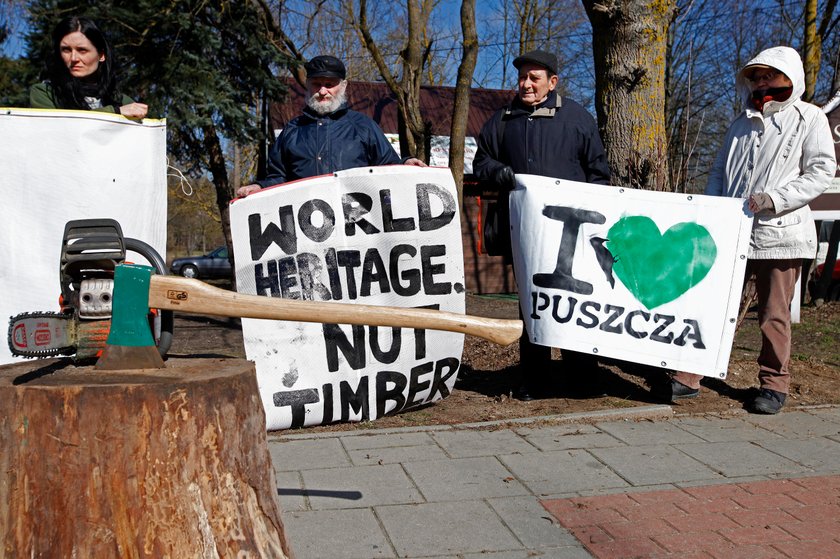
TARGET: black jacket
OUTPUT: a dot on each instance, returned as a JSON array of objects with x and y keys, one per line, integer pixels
[
  {"x": 558, "y": 139},
  {"x": 313, "y": 144}
]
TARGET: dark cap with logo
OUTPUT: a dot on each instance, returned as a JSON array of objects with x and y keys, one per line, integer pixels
[
  {"x": 538, "y": 57},
  {"x": 325, "y": 66}
]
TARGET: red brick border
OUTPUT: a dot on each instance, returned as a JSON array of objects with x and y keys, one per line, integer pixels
[{"x": 793, "y": 518}]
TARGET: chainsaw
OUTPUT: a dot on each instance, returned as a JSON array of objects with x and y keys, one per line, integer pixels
[{"x": 90, "y": 251}]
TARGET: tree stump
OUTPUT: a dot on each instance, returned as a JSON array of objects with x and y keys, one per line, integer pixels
[{"x": 147, "y": 463}]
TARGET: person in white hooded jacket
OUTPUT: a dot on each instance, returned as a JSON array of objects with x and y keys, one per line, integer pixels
[{"x": 778, "y": 154}]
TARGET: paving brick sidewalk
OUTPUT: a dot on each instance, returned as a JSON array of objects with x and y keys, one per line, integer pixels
[
  {"x": 798, "y": 518},
  {"x": 735, "y": 486}
]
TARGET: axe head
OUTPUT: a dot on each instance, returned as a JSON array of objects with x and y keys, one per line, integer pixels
[{"x": 130, "y": 343}]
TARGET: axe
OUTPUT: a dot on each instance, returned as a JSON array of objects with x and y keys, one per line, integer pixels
[{"x": 131, "y": 346}]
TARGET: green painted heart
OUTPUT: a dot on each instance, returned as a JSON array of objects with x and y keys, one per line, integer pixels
[{"x": 659, "y": 268}]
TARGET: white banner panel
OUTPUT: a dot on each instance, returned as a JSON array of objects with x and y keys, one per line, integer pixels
[
  {"x": 65, "y": 165},
  {"x": 648, "y": 277},
  {"x": 375, "y": 236}
]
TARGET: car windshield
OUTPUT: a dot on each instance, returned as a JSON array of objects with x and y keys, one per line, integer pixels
[{"x": 220, "y": 252}]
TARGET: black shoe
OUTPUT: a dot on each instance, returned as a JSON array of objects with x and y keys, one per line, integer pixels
[
  {"x": 523, "y": 394},
  {"x": 768, "y": 401},
  {"x": 679, "y": 391}
]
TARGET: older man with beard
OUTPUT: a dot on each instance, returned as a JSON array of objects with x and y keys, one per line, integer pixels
[{"x": 328, "y": 136}]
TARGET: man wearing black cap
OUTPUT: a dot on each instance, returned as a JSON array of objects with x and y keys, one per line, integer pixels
[
  {"x": 328, "y": 136},
  {"x": 540, "y": 133}
]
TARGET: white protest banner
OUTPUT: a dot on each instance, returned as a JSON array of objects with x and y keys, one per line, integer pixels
[
  {"x": 375, "y": 236},
  {"x": 60, "y": 166},
  {"x": 647, "y": 277}
]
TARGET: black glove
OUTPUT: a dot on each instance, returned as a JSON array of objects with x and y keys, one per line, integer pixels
[{"x": 503, "y": 177}]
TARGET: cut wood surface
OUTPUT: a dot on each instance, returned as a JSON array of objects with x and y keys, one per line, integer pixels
[
  {"x": 147, "y": 463},
  {"x": 194, "y": 296}
]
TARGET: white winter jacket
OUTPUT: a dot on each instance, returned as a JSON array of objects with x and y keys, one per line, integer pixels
[{"x": 787, "y": 151}]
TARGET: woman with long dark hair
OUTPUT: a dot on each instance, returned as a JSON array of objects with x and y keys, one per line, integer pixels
[{"x": 81, "y": 73}]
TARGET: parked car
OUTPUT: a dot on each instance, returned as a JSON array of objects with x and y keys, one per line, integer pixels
[{"x": 214, "y": 264}]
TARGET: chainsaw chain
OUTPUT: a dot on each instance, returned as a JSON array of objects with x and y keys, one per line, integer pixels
[{"x": 69, "y": 350}]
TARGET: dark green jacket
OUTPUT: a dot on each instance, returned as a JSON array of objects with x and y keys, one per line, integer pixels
[{"x": 42, "y": 96}]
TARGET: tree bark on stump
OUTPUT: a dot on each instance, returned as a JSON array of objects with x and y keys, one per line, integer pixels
[{"x": 133, "y": 464}]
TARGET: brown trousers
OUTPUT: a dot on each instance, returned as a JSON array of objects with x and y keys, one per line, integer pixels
[{"x": 775, "y": 281}]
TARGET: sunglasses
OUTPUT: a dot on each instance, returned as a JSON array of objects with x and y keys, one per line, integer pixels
[{"x": 767, "y": 75}]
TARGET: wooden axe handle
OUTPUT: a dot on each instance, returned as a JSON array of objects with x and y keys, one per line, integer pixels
[{"x": 193, "y": 296}]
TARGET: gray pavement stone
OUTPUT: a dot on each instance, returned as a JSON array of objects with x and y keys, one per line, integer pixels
[
  {"x": 517, "y": 554},
  {"x": 654, "y": 464},
  {"x": 566, "y": 437},
  {"x": 290, "y": 491},
  {"x": 397, "y": 454},
  {"x": 737, "y": 459},
  {"x": 284, "y": 435},
  {"x": 718, "y": 429},
  {"x": 445, "y": 528},
  {"x": 828, "y": 413},
  {"x": 469, "y": 442},
  {"x": 345, "y": 534},
  {"x": 797, "y": 424},
  {"x": 569, "y": 552},
  {"x": 362, "y": 486},
  {"x": 307, "y": 454},
  {"x": 531, "y": 523},
  {"x": 562, "y": 471},
  {"x": 611, "y": 491},
  {"x": 369, "y": 441},
  {"x": 820, "y": 454},
  {"x": 464, "y": 479},
  {"x": 648, "y": 432},
  {"x": 380, "y": 511},
  {"x": 728, "y": 480},
  {"x": 637, "y": 413}
]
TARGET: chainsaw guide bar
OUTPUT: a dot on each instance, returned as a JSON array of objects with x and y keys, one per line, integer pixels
[{"x": 42, "y": 334}]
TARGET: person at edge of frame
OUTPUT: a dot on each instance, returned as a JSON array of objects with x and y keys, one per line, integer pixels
[
  {"x": 778, "y": 154},
  {"x": 81, "y": 73}
]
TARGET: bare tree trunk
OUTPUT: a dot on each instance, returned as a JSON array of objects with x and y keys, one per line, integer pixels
[
  {"x": 835, "y": 82},
  {"x": 812, "y": 47},
  {"x": 412, "y": 76},
  {"x": 218, "y": 171},
  {"x": 136, "y": 463},
  {"x": 407, "y": 90},
  {"x": 814, "y": 37},
  {"x": 282, "y": 40},
  {"x": 629, "y": 43},
  {"x": 461, "y": 107}
]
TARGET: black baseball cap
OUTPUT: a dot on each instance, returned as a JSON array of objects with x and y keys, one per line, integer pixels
[
  {"x": 540, "y": 58},
  {"x": 325, "y": 66}
]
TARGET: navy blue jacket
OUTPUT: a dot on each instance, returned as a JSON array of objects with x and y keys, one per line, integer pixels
[
  {"x": 558, "y": 139},
  {"x": 313, "y": 144}
]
